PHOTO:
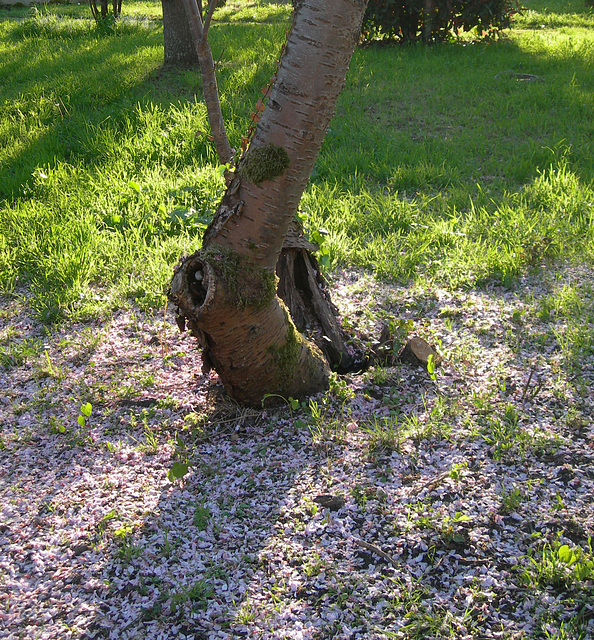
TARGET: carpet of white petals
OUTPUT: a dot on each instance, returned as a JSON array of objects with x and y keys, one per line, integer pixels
[{"x": 455, "y": 504}]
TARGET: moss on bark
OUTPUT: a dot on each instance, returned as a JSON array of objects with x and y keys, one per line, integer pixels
[
  {"x": 264, "y": 163},
  {"x": 287, "y": 355},
  {"x": 249, "y": 285}
]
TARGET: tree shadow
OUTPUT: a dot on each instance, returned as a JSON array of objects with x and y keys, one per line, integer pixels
[
  {"x": 98, "y": 542},
  {"x": 107, "y": 543},
  {"x": 67, "y": 83}
]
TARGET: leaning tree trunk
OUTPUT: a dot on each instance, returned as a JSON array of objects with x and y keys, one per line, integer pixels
[
  {"x": 178, "y": 42},
  {"x": 226, "y": 292}
]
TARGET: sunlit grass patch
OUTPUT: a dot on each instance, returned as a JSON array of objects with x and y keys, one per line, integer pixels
[
  {"x": 441, "y": 164},
  {"x": 559, "y": 566}
]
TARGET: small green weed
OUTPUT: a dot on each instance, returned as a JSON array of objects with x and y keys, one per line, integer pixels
[
  {"x": 178, "y": 471},
  {"x": 85, "y": 413},
  {"x": 340, "y": 389},
  {"x": 103, "y": 522},
  {"x": 151, "y": 444},
  {"x": 511, "y": 500},
  {"x": 385, "y": 434},
  {"x": 197, "y": 595},
  {"x": 246, "y": 612},
  {"x": 201, "y": 517},
  {"x": 448, "y": 530},
  {"x": 56, "y": 426},
  {"x": 123, "y": 536},
  {"x": 505, "y": 435},
  {"x": 359, "y": 496},
  {"x": 456, "y": 470},
  {"x": 16, "y": 352},
  {"x": 314, "y": 566},
  {"x": 49, "y": 370},
  {"x": 324, "y": 426},
  {"x": 559, "y": 566}
]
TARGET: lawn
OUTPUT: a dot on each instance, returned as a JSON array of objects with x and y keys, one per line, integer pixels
[{"x": 456, "y": 186}]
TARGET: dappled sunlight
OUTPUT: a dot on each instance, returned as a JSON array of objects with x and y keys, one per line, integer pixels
[
  {"x": 366, "y": 510},
  {"x": 452, "y": 202}
]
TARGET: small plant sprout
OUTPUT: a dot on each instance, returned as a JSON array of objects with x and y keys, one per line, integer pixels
[
  {"x": 196, "y": 595},
  {"x": 84, "y": 415},
  {"x": 246, "y": 612},
  {"x": 314, "y": 566},
  {"x": 177, "y": 471},
  {"x": 456, "y": 470},
  {"x": 340, "y": 388},
  {"x": 201, "y": 517},
  {"x": 310, "y": 506},
  {"x": 448, "y": 530},
  {"x": 384, "y": 434},
  {"x": 431, "y": 367},
  {"x": 559, "y": 565},
  {"x": 511, "y": 500},
  {"x": 292, "y": 403},
  {"x": 56, "y": 426},
  {"x": 123, "y": 536},
  {"x": 50, "y": 370}
]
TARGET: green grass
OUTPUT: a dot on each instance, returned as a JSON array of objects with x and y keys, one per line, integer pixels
[{"x": 440, "y": 164}]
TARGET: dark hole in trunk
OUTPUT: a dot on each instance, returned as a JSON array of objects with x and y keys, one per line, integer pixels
[{"x": 197, "y": 284}]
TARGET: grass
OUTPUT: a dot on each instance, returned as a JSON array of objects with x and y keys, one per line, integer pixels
[
  {"x": 559, "y": 566},
  {"x": 439, "y": 165},
  {"x": 107, "y": 175}
]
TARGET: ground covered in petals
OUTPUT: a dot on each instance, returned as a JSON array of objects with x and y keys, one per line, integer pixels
[{"x": 137, "y": 501}]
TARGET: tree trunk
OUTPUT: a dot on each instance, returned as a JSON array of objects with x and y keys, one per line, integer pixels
[
  {"x": 179, "y": 46},
  {"x": 227, "y": 291}
]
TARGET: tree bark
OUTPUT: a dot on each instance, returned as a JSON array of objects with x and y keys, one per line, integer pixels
[
  {"x": 226, "y": 292},
  {"x": 303, "y": 290},
  {"x": 178, "y": 44},
  {"x": 199, "y": 32}
]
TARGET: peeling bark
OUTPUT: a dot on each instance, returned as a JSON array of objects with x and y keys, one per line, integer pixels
[{"x": 303, "y": 290}]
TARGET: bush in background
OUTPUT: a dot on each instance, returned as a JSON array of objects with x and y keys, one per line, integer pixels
[{"x": 435, "y": 20}]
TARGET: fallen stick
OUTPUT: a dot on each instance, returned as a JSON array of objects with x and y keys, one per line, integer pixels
[{"x": 375, "y": 549}]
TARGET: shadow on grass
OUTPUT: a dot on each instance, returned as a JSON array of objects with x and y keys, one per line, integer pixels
[{"x": 67, "y": 82}]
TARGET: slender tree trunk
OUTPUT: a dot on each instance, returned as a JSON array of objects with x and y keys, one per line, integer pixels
[
  {"x": 227, "y": 291},
  {"x": 199, "y": 32}
]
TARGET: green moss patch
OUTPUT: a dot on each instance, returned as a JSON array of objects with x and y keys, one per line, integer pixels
[
  {"x": 264, "y": 163},
  {"x": 249, "y": 285},
  {"x": 287, "y": 355}
]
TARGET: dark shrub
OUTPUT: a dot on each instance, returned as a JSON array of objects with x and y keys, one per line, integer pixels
[{"x": 434, "y": 20}]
